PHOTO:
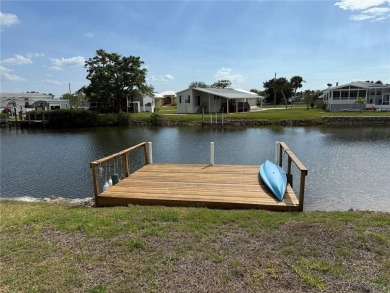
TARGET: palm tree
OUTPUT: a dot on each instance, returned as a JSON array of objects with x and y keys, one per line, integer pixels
[{"x": 296, "y": 82}]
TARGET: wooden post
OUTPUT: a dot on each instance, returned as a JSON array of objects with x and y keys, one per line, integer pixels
[
  {"x": 280, "y": 159},
  {"x": 146, "y": 154},
  {"x": 211, "y": 153},
  {"x": 302, "y": 189},
  {"x": 202, "y": 115},
  {"x": 95, "y": 181},
  {"x": 289, "y": 175},
  {"x": 150, "y": 153},
  {"x": 126, "y": 159}
]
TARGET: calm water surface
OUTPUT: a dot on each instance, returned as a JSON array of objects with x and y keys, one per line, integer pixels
[{"x": 348, "y": 167}]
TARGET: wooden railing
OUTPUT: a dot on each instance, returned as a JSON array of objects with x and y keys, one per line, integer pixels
[
  {"x": 122, "y": 155},
  {"x": 291, "y": 157}
]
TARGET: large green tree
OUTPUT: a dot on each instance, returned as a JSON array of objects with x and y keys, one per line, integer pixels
[
  {"x": 115, "y": 78},
  {"x": 296, "y": 82},
  {"x": 280, "y": 88}
]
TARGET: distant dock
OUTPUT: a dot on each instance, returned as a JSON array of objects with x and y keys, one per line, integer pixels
[
  {"x": 26, "y": 122},
  {"x": 200, "y": 185}
]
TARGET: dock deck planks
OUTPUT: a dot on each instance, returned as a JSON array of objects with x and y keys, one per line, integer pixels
[{"x": 214, "y": 186}]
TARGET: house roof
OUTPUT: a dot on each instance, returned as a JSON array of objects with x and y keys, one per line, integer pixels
[
  {"x": 25, "y": 95},
  {"x": 165, "y": 94},
  {"x": 226, "y": 93}
]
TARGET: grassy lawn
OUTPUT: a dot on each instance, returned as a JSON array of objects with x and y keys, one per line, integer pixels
[
  {"x": 297, "y": 112},
  {"x": 60, "y": 248}
]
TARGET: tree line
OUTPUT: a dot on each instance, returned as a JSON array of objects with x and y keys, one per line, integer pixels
[{"x": 114, "y": 80}]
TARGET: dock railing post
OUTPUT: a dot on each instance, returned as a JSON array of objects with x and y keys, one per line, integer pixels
[
  {"x": 302, "y": 189},
  {"x": 150, "y": 153},
  {"x": 127, "y": 164},
  {"x": 277, "y": 147},
  {"x": 211, "y": 153},
  {"x": 95, "y": 180}
]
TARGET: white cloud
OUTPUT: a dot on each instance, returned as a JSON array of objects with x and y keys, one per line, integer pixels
[
  {"x": 34, "y": 55},
  {"x": 359, "y": 4},
  {"x": 59, "y": 64},
  {"x": 17, "y": 60},
  {"x": 53, "y": 82},
  {"x": 7, "y": 19},
  {"x": 6, "y": 75},
  {"x": 227, "y": 73},
  {"x": 374, "y": 14},
  {"x": 20, "y": 59},
  {"x": 373, "y": 10},
  {"x": 88, "y": 35},
  {"x": 163, "y": 78}
]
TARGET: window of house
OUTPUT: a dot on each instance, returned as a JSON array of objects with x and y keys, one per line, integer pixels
[
  {"x": 378, "y": 92},
  {"x": 188, "y": 99},
  {"x": 336, "y": 95},
  {"x": 344, "y": 95},
  {"x": 362, "y": 93},
  {"x": 353, "y": 94},
  {"x": 180, "y": 99}
]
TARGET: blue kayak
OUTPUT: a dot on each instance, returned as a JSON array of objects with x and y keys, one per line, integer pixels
[{"x": 275, "y": 178}]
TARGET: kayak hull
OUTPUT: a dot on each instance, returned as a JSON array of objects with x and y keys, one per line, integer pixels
[{"x": 274, "y": 178}]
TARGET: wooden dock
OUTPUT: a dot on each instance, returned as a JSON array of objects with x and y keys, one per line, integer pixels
[{"x": 200, "y": 185}]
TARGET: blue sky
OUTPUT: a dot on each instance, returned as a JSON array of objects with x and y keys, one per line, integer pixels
[{"x": 44, "y": 44}]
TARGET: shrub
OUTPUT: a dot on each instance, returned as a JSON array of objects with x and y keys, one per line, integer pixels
[{"x": 155, "y": 119}]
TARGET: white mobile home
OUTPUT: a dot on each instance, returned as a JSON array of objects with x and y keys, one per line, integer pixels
[
  {"x": 145, "y": 103},
  {"x": 345, "y": 96},
  {"x": 24, "y": 102},
  {"x": 214, "y": 100}
]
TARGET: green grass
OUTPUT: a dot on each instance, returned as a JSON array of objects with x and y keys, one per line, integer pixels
[
  {"x": 59, "y": 248},
  {"x": 297, "y": 112}
]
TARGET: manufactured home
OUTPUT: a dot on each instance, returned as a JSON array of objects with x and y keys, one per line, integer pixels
[
  {"x": 24, "y": 102},
  {"x": 214, "y": 100},
  {"x": 346, "y": 96}
]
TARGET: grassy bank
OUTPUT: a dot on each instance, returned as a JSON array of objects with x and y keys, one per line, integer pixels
[
  {"x": 167, "y": 116},
  {"x": 271, "y": 115},
  {"x": 47, "y": 248}
]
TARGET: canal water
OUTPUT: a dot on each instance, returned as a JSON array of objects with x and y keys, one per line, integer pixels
[{"x": 348, "y": 167}]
